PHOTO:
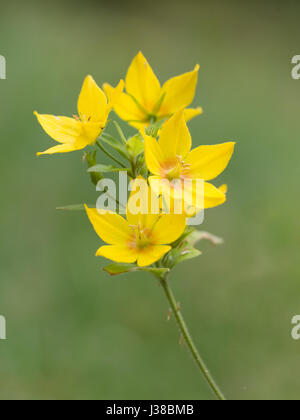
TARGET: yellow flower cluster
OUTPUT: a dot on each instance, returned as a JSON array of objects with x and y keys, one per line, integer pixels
[{"x": 145, "y": 238}]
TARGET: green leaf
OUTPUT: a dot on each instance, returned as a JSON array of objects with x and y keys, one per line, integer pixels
[
  {"x": 135, "y": 146},
  {"x": 184, "y": 249},
  {"x": 120, "y": 132},
  {"x": 91, "y": 158},
  {"x": 117, "y": 269},
  {"x": 179, "y": 255},
  {"x": 188, "y": 255},
  {"x": 106, "y": 168},
  {"x": 75, "y": 207},
  {"x": 188, "y": 231},
  {"x": 192, "y": 237},
  {"x": 115, "y": 144}
]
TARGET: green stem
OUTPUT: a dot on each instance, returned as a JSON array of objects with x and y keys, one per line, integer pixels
[
  {"x": 109, "y": 154},
  {"x": 185, "y": 332},
  {"x": 115, "y": 200}
]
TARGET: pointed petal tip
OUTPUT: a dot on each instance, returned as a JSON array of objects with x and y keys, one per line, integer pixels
[
  {"x": 99, "y": 252},
  {"x": 139, "y": 56},
  {"x": 224, "y": 188},
  {"x": 37, "y": 115},
  {"x": 122, "y": 83},
  {"x": 197, "y": 67},
  {"x": 230, "y": 144},
  {"x": 42, "y": 153}
]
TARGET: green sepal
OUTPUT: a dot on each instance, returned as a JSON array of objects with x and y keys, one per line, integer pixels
[
  {"x": 154, "y": 128},
  {"x": 117, "y": 269},
  {"x": 99, "y": 168}
]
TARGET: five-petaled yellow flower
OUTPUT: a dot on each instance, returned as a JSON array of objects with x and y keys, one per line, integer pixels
[
  {"x": 147, "y": 102},
  {"x": 171, "y": 159},
  {"x": 78, "y": 132},
  {"x": 140, "y": 238}
]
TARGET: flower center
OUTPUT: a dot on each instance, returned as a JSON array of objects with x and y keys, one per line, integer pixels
[
  {"x": 152, "y": 118},
  {"x": 175, "y": 169},
  {"x": 140, "y": 237}
]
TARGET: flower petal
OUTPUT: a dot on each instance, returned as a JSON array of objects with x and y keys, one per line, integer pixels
[
  {"x": 175, "y": 139},
  {"x": 153, "y": 155},
  {"x": 147, "y": 218},
  {"x": 193, "y": 197},
  {"x": 213, "y": 196},
  {"x": 61, "y": 129},
  {"x": 207, "y": 162},
  {"x": 115, "y": 93},
  {"x": 64, "y": 148},
  {"x": 152, "y": 254},
  {"x": 142, "y": 83},
  {"x": 92, "y": 131},
  {"x": 190, "y": 113},
  {"x": 92, "y": 102},
  {"x": 223, "y": 188},
  {"x": 168, "y": 229},
  {"x": 180, "y": 92},
  {"x": 110, "y": 227},
  {"x": 118, "y": 253},
  {"x": 202, "y": 196},
  {"x": 126, "y": 108}
]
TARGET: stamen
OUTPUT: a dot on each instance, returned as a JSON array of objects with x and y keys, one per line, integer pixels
[
  {"x": 140, "y": 236},
  {"x": 177, "y": 170}
]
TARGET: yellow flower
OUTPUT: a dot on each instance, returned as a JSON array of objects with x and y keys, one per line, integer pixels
[
  {"x": 141, "y": 238},
  {"x": 173, "y": 164},
  {"x": 78, "y": 132},
  {"x": 146, "y": 101}
]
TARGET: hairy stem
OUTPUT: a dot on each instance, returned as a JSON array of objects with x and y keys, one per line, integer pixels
[{"x": 189, "y": 341}]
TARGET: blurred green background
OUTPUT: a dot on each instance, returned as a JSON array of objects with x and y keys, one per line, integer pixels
[{"x": 74, "y": 332}]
